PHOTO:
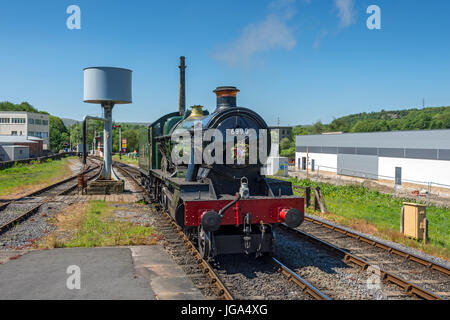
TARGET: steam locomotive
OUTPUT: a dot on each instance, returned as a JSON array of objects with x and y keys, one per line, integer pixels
[{"x": 226, "y": 206}]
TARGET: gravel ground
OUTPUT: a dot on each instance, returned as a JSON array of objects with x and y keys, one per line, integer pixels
[
  {"x": 328, "y": 273},
  {"x": 255, "y": 279},
  {"x": 134, "y": 213},
  {"x": 17, "y": 208},
  {"x": 35, "y": 227}
]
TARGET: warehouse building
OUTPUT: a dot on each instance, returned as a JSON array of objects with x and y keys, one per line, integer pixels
[
  {"x": 15, "y": 152},
  {"x": 34, "y": 145},
  {"x": 22, "y": 123},
  {"x": 414, "y": 156}
]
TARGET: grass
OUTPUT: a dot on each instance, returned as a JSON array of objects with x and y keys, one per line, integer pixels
[
  {"x": 24, "y": 178},
  {"x": 377, "y": 213},
  {"x": 95, "y": 225},
  {"x": 125, "y": 159}
]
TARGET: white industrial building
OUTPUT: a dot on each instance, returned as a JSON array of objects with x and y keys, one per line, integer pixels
[
  {"x": 410, "y": 156},
  {"x": 14, "y": 152},
  {"x": 22, "y": 123}
]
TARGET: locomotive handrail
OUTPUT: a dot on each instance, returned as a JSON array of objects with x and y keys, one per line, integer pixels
[{"x": 222, "y": 211}]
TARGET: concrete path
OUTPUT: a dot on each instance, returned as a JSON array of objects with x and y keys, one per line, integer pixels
[{"x": 144, "y": 272}]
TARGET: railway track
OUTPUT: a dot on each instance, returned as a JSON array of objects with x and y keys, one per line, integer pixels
[
  {"x": 382, "y": 246},
  {"x": 15, "y": 211},
  {"x": 421, "y": 272},
  {"x": 222, "y": 283},
  {"x": 387, "y": 275},
  {"x": 181, "y": 248}
]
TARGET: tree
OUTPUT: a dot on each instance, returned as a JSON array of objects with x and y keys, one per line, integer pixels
[
  {"x": 59, "y": 135},
  {"x": 285, "y": 143}
]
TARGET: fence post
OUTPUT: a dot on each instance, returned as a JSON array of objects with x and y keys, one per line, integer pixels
[
  {"x": 443, "y": 233},
  {"x": 339, "y": 202},
  {"x": 371, "y": 212},
  {"x": 429, "y": 193}
]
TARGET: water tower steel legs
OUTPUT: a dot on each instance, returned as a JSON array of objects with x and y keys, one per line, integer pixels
[{"x": 107, "y": 141}]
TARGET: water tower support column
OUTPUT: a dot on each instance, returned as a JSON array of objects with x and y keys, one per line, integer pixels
[{"x": 107, "y": 141}]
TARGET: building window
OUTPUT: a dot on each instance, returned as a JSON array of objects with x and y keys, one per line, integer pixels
[
  {"x": 45, "y": 122},
  {"x": 18, "y": 120},
  {"x": 30, "y": 121},
  {"x": 14, "y": 133},
  {"x": 4, "y": 120},
  {"x": 37, "y": 121},
  {"x": 44, "y": 134}
]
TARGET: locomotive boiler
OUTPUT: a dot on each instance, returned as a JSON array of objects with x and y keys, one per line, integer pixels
[{"x": 205, "y": 169}]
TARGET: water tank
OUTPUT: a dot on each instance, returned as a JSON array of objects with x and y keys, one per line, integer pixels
[{"x": 107, "y": 85}]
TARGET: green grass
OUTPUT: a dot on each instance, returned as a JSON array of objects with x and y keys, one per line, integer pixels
[
  {"x": 357, "y": 203},
  {"x": 98, "y": 227},
  {"x": 22, "y": 177},
  {"x": 125, "y": 159}
]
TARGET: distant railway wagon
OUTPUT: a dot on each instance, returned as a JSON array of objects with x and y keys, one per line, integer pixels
[{"x": 225, "y": 206}]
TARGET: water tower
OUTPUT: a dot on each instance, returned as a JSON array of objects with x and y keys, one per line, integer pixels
[{"x": 107, "y": 86}]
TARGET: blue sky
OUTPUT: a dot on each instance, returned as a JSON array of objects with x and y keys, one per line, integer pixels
[{"x": 301, "y": 61}]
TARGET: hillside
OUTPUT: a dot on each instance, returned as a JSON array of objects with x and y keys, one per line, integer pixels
[{"x": 411, "y": 119}]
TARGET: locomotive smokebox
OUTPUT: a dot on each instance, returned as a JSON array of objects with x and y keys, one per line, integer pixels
[{"x": 226, "y": 97}]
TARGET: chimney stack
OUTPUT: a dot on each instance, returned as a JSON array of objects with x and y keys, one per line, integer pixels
[
  {"x": 226, "y": 97},
  {"x": 182, "y": 96}
]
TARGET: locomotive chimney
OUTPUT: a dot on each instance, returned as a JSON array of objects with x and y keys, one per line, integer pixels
[
  {"x": 182, "y": 97},
  {"x": 226, "y": 97}
]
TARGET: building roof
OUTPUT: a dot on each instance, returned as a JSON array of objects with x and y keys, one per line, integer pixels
[
  {"x": 280, "y": 127},
  {"x": 419, "y": 139},
  {"x": 24, "y": 112},
  {"x": 14, "y": 146},
  {"x": 5, "y": 139}
]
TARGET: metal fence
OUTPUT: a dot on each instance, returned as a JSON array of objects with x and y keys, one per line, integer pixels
[
  {"x": 382, "y": 211},
  {"x": 427, "y": 192},
  {"x": 8, "y": 164}
]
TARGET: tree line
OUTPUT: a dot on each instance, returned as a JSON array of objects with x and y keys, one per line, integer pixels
[
  {"x": 430, "y": 118},
  {"x": 131, "y": 132},
  {"x": 411, "y": 119},
  {"x": 62, "y": 137}
]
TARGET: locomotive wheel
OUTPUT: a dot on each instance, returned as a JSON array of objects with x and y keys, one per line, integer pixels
[{"x": 204, "y": 243}]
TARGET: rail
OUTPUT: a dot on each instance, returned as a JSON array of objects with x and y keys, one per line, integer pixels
[
  {"x": 207, "y": 269},
  {"x": 427, "y": 263},
  {"x": 9, "y": 224},
  {"x": 302, "y": 283}
]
